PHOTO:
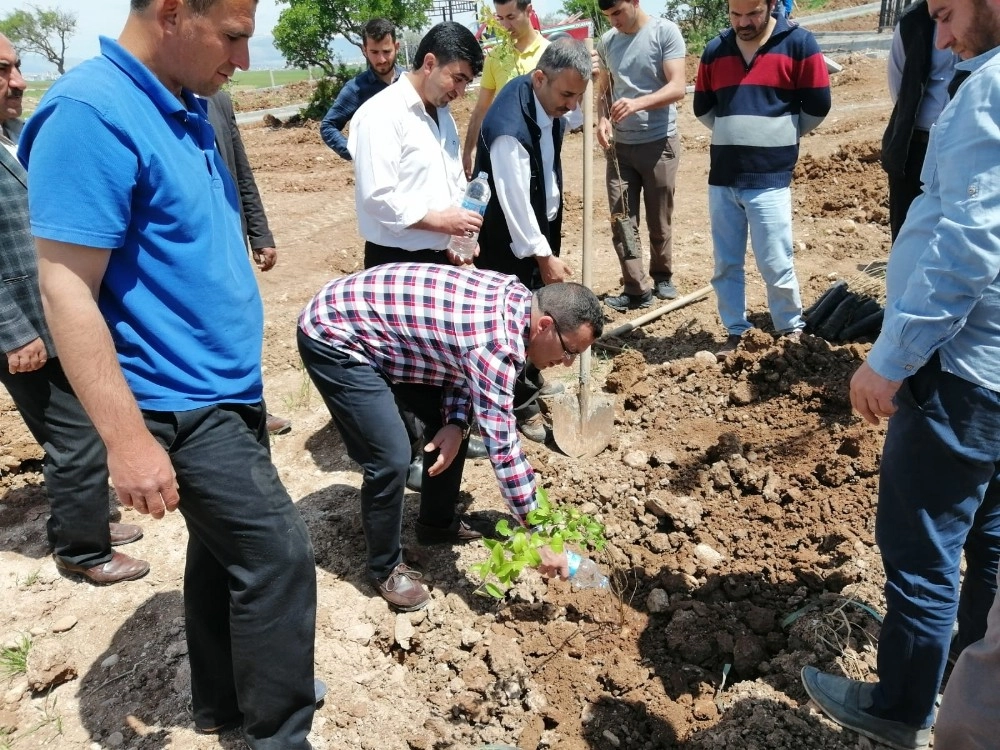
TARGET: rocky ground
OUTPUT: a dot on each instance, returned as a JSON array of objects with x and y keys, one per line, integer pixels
[{"x": 738, "y": 500}]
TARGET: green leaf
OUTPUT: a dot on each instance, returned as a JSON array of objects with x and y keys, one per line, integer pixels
[
  {"x": 495, "y": 591},
  {"x": 503, "y": 527},
  {"x": 497, "y": 555}
]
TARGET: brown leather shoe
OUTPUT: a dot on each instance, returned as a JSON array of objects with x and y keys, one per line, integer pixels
[
  {"x": 458, "y": 533},
  {"x": 402, "y": 589},
  {"x": 124, "y": 533},
  {"x": 120, "y": 567},
  {"x": 278, "y": 425}
]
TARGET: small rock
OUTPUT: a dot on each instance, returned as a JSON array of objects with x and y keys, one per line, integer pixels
[
  {"x": 657, "y": 601},
  {"x": 705, "y": 709},
  {"x": 635, "y": 459},
  {"x": 360, "y": 632},
  {"x": 707, "y": 556},
  {"x": 110, "y": 661},
  {"x": 63, "y": 624},
  {"x": 470, "y": 637},
  {"x": 612, "y": 738},
  {"x": 705, "y": 357},
  {"x": 115, "y": 739},
  {"x": 403, "y": 632},
  {"x": 13, "y": 695},
  {"x": 48, "y": 666}
]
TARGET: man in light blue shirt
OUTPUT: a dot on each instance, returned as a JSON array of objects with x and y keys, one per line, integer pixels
[{"x": 935, "y": 370}]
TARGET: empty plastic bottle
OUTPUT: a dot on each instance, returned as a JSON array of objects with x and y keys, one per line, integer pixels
[
  {"x": 477, "y": 195},
  {"x": 584, "y": 573}
]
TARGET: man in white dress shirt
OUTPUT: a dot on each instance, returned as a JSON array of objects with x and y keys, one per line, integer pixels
[
  {"x": 519, "y": 148},
  {"x": 408, "y": 172}
]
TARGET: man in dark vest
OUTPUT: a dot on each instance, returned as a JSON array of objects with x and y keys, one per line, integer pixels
[
  {"x": 919, "y": 74},
  {"x": 519, "y": 146}
]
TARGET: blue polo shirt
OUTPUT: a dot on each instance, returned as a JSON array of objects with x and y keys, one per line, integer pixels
[{"x": 118, "y": 162}]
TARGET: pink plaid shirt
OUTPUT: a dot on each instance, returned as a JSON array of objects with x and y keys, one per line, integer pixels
[{"x": 464, "y": 330}]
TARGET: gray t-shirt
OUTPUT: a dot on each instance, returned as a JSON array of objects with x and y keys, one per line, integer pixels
[{"x": 635, "y": 62}]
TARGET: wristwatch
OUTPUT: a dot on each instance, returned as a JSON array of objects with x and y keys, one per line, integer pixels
[{"x": 465, "y": 427}]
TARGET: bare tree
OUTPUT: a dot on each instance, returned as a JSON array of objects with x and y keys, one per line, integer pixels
[{"x": 40, "y": 30}]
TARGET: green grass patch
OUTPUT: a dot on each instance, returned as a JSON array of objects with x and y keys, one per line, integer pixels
[
  {"x": 261, "y": 79},
  {"x": 14, "y": 659}
]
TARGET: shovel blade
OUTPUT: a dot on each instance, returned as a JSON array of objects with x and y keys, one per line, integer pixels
[{"x": 582, "y": 430}]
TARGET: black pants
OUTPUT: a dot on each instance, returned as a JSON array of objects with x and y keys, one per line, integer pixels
[
  {"x": 249, "y": 579},
  {"x": 904, "y": 188},
  {"x": 363, "y": 405},
  {"x": 75, "y": 465}
]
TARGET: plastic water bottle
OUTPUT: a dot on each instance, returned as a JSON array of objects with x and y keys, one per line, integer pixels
[
  {"x": 477, "y": 195},
  {"x": 584, "y": 573}
]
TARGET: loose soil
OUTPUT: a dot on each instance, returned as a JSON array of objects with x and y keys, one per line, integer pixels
[{"x": 738, "y": 500}]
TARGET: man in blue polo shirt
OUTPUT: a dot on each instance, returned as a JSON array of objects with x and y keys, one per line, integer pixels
[{"x": 159, "y": 325}]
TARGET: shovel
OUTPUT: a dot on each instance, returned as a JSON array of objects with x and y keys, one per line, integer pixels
[{"x": 583, "y": 424}]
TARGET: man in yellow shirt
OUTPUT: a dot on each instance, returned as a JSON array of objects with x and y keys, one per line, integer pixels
[{"x": 515, "y": 17}]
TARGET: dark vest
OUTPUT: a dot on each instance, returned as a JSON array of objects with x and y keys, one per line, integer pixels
[
  {"x": 513, "y": 113},
  {"x": 917, "y": 31}
]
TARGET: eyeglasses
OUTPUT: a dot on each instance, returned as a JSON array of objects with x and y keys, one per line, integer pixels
[{"x": 568, "y": 356}]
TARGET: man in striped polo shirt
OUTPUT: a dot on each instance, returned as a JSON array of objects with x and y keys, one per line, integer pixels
[{"x": 762, "y": 84}]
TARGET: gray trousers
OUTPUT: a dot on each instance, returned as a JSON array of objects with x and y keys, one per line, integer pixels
[
  {"x": 646, "y": 172},
  {"x": 969, "y": 718}
]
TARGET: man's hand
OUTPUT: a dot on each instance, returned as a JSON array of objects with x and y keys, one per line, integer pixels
[
  {"x": 623, "y": 108},
  {"x": 452, "y": 220},
  {"x": 553, "y": 563},
  {"x": 27, "y": 358},
  {"x": 447, "y": 441},
  {"x": 604, "y": 133},
  {"x": 552, "y": 269},
  {"x": 458, "y": 260},
  {"x": 143, "y": 476},
  {"x": 265, "y": 258},
  {"x": 872, "y": 395}
]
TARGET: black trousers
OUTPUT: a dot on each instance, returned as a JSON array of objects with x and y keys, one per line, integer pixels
[
  {"x": 75, "y": 465},
  {"x": 904, "y": 188},
  {"x": 363, "y": 404},
  {"x": 249, "y": 579}
]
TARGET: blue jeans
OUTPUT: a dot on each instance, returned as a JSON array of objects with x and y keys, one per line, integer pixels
[
  {"x": 249, "y": 578},
  {"x": 768, "y": 215},
  {"x": 939, "y": 494},
  {"x": 363, "y": 404}
]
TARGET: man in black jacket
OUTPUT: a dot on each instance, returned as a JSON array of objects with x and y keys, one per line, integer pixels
[
  {"x": 519, "y": 148},
  {"x": 919, "y": 74},
  {"x": 255, "y": 227},
  {"x": 75, "y": 465}
]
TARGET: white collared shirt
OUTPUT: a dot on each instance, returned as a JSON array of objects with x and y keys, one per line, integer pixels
[
  {"x": 512, "y": 178},
  {"x": 405, "y": 165}
]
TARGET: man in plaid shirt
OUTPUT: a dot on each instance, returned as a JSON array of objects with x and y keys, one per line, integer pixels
[{"x": 448, "y": 343}]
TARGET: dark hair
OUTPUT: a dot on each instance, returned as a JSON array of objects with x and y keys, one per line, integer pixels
[
  {"x": 607, "y": 4},
  {"x": 565, "y": 54},
  {"x": 571, "y": 305},
  {"x": 450, "y": 41},
  {"x": 378, "y": 29},
  {"x": 522, "y": 5},
  {"x": 198, "y": 7}
]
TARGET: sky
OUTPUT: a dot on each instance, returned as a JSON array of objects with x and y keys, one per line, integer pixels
[{"x": 106, "y": 17}]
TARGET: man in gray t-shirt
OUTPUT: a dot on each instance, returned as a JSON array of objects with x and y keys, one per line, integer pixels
[{"x": 642, "y": 75}]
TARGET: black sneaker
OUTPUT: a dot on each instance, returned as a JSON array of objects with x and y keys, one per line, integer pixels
[
  {"x": 664, "y": 290},
  {"x": 623, "y": 302}
]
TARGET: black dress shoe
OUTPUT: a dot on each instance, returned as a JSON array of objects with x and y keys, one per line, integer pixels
[
  {"x": 124, "y": 533},
  {"x": 458, "y": 533},
  {"x": 120, "y": 567},
  {"x": 319, "y": 691},
  {"x": 402, "y": 589},
  {"x": 415, "y": 475}
]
